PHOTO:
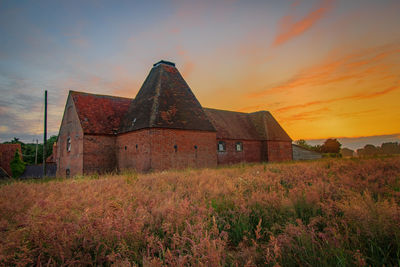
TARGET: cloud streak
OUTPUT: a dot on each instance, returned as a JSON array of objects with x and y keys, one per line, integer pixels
[
  {"x": 356, "y": 66},
  {"x": 290, "y": 29},
  {"x": 351, "y": 97}
]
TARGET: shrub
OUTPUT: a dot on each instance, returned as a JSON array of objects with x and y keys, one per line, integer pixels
[{"x": 17, "y": 165}]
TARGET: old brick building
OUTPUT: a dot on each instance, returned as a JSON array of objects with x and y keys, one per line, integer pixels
[
  {"x": 163, "y": 127},
  {"x": 7, "y": 153}
]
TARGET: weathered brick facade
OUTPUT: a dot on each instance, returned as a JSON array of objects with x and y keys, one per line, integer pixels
[
  {"x": 160, "y": 149},
  {"x": 252, "y": 152},
  {"x": 70, "y": 163},
  {"x": 134, "y": 150},
  {"x": 99, "y": 154},
  {"x": 171, "y": 148},
  {"x": 279, "y": 150},
  {"x": 164, "y": 127}
]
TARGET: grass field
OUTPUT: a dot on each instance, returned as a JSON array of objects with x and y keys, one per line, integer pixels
[{"x": 324, "y": 213}]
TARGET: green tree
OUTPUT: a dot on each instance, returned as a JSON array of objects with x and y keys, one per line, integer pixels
[
  {"x": 371, "y": 150},
  {"x": 331, "y": 146},
  {"x": 390, "y": 148},
  {"x": 302, "y": 143},
  {"x": 17, "y": 165},
  {"x": 29, "y": 149}
]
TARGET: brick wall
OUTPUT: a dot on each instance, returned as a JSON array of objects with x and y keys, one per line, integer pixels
[
  {"x": 279, "y": 150},
  {"x": 70, "y": 127},
  {"x": 99, "y": 153},
  {"x": 252, "y": 152},
  {"x": 156, "y": 149},
  {"x": 7, "y": 152},
  {"x": 133, "y": 150},
  {"x": 164, "y": 155}
]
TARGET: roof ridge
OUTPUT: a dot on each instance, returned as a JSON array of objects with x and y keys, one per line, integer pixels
[
  {"x": 241, "y": 112},
  {"x": 226, "y": 110},
  {"x": 101, "y": 95},
  {"x": 155, "y": 105},
  {"x": 259, "y": 111}
]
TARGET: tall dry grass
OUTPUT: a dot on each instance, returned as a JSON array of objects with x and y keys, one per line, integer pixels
[{"x": 329, "y": 212}]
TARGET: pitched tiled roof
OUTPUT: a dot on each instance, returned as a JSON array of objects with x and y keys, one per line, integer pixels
[
  {"x": 232, "y": 125},
  {"x": 7, "y": 152},
  {"x": 246, "y": 126},
  {"x": 165, "y": 101},
  {"x": 267, "y": 127},
  {"x": 100, "y": 114}
]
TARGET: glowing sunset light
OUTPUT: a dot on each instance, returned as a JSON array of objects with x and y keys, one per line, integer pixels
[{"x": 323, "y": 68}]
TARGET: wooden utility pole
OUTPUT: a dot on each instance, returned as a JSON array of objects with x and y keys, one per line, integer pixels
[
  {"x": 36, "y": 152},
  {"x": 45, "y": 133}
]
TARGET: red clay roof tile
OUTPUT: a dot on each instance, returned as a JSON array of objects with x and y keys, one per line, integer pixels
[{"x": 100, "y": 114}]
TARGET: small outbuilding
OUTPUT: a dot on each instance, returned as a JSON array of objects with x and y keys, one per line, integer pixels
[{"x": 302, "y": 153}]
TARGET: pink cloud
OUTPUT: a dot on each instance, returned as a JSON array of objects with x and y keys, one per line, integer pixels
[{"x": 290, "y": 29}]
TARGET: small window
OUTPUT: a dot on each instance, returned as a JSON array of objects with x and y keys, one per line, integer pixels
[
  {"x": 239, "y": 146},
  {"x": 67, "y": 172},
  {"x": 176, "y": 148},
  {"x": 221, "y": 146},
  {"x": 126, "y": 147},
  {"x": 68, "y": 144},
  {"x": 195, "y": 147},
  {"x": 137, "y": 146}
]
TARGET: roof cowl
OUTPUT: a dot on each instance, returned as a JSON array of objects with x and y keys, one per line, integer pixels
[{"x": 169, "y": 63}]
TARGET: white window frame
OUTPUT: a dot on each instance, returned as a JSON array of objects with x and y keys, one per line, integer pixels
[
  {"x": 239, "y": 146},
  {"x": 221, "y": 144},
  {"x": 69, "y": 144}
]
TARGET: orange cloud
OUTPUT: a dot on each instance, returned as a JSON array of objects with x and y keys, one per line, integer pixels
[
  {"x": 251, "y": 108},
  {"x": 353, "y": 66},
  {"x": 356, "y": 96},
  {"x": 353, "y": 114},
  {"x": 321, "y": 113},
  {"x": 290, "y": 29},
  {"x": 307, "y": 115}
]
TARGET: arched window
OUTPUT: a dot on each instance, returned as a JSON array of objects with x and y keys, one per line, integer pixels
[{"x": 68, "y": 144}]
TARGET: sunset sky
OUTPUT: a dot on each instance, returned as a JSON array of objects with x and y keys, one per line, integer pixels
[{"x": 322, "y": 68}]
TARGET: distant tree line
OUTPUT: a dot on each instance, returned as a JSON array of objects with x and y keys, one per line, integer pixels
[
  {"x": 329, "y": 146},
  {"x": 29, "y": 149},
  {"x": 389, "y": 148},
  {"x": 333, "y": 146}
]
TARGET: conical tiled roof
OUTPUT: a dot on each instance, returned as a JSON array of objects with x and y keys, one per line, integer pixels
[{"x": 165, "y": 101}]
